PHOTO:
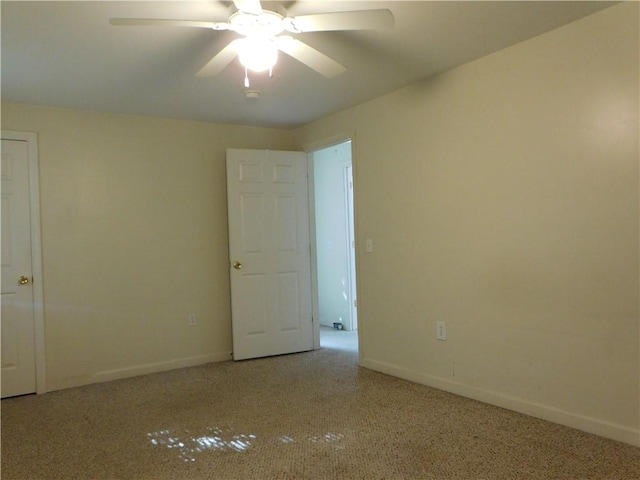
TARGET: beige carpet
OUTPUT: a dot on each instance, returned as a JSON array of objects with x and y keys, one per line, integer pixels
[{"x": 307, "y": 416}]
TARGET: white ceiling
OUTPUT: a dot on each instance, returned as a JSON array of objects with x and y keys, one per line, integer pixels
[{"x": 67, "y": 54}]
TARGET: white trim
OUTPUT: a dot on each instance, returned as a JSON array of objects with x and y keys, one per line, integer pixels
[
  {"x": 350, "y": 226},
  {"x": 138, "y": 370},
  {"x": 36, "y": 252},
  {"x": 595, "y": 426},
  {"x": 315, "y": 309},
  {"x": 329, "y": 141}
]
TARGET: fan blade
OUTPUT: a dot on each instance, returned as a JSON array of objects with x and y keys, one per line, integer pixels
[
  {"x": 324, "y": 22},
  {"x": 311, "y": 57},
  {"x": 221, "y": 60},
  {"x": 161, "y": 22},
  {"x": 248, "y": 6}
]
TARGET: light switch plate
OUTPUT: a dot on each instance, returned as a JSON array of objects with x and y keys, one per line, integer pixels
[{"x": 441, "y": 331}]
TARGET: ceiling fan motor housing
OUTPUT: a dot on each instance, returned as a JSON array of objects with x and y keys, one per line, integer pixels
[{"x": 267, "y": 24}]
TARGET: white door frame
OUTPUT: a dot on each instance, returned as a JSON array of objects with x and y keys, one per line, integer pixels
[
  {"x": 309, "y": 150},
  {"x": 351, "y": 235},
  {"x": 36, "y": 252}
]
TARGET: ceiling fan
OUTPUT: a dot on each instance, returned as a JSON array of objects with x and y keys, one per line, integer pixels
[{"x": 261, "y": 40}]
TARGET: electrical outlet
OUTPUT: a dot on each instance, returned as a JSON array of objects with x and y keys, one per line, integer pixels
[
  {"x": 441, "y": 331},
  {"x": 193, "y": 320}
]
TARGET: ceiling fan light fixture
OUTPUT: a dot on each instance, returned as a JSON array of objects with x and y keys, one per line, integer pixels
[
  {"x": 258, "y": 54},
  {"x": 260, "y": 40}
]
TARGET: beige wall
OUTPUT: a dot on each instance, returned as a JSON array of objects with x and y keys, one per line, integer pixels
[
  {"x": 134, "y": 236},
  {"x": 502, "y": 198}
]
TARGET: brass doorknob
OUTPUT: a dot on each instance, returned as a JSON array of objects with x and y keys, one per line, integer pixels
[
  {"x": 23, "y": 280},
  {"x": 237, "y": 265}
]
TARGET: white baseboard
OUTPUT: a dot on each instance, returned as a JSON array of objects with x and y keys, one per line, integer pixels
[
  {"x": 602, "y": 428},
  {"x": 137, "y": 370}
]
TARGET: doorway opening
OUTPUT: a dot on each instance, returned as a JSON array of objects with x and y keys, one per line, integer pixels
[{"x": 335, "y": 247}]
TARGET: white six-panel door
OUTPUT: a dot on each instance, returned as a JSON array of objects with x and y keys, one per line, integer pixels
[
  {"x": 269, "y": 252},
  {"x": 18, "y": 326}
]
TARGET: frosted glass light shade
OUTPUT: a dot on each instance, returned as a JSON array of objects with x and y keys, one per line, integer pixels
[{"x": 258, "y": 54}]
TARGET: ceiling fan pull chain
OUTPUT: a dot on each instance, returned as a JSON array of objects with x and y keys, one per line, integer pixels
[
  {"x": 246, "y": 78},
  {"x": 271, "y": 72}
]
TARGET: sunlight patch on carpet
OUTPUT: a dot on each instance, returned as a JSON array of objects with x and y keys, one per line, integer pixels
[{"x": 215, "y": 439}]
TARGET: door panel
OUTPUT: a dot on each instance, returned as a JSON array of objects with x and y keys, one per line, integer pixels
[
  {"x": 254, "y": 312},
  {"x": 253, "y": 227},
  {"x": 10, "y": 333},
  {"x": 289, "y": 311},
  {"x": 17, "y": 325},
  {"x": 286, "y": 210},
  {"x": 269, "y": 245}
]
